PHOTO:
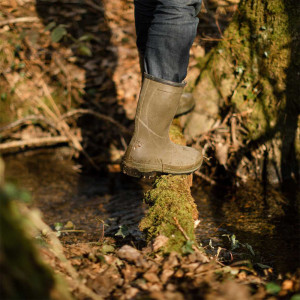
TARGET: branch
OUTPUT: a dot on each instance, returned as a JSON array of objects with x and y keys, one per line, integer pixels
[
  {"x": 19, "y": 20},
  {"x": 206, "y": 178},
  {"x": 12, "y": 126},
  {"x": 181, "y": 229},
  {"x": 32, "y": 143},
  {"x": 97, "y": 115}
]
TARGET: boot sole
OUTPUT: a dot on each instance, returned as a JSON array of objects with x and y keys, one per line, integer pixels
[{"x": 135, "y": 172}]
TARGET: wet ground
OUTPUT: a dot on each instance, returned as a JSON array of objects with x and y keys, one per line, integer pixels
[{"x": 63, "y": 193}]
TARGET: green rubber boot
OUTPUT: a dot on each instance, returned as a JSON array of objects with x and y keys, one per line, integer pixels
[
  {"x": 150, "y": 150},
  {"x": 187, "y": 101}
]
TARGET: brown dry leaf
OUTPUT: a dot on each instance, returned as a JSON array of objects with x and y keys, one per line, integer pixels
[
  {"x": 159, "y": 242},
  {"x": 166, "y": 274},
  {"x": 221, "y": 153},
  {"x": 179, "y": 273},
  {"x": 172, "y": 261},
  {"x": 166, "y": 296},
  {"x": 287, "y": 285},
  {"x": 230, "y": 291},
  {"x": 129, "y": 253},
  {"x": 151, "y": 277},
  {"x": 131, "y": 292},
  {"x": 190, "y": 267},
  {"x": 129, "y": 273},
  {"x": 173, "y": 296},
  {"x": 106, "y": 282},
  {"x": 156, "y": 287}
]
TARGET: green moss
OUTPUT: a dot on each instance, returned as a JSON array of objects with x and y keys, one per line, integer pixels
[
  {"x": 256, "y": 44},
  {"x": 23, "y": 274},
  {"x": 170, "y": 198},
  {"x": 175, "y": 133}
]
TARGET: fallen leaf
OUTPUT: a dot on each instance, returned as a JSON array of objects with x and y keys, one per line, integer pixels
[
  {"x": 160, "y": 242},
  {"x": 129, "y": 253}
]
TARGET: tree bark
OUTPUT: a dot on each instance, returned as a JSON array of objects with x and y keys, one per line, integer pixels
[{"x": 254, "y": 75}]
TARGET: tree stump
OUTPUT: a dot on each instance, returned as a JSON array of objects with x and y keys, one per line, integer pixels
[{"x": 172, "y": 211}]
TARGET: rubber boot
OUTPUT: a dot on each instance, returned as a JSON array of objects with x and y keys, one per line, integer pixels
[
  {"x": 187, "y": 101},
  {"x": 150, "y": 150}
]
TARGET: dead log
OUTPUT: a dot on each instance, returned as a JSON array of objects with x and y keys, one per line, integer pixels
[{"x": 172, "y": 211}]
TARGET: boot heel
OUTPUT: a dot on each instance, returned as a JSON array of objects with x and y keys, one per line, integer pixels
[{"x": 136, "y": 173}]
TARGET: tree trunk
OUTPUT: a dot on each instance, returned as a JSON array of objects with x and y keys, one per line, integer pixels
[{"x": 252, "y": 77}]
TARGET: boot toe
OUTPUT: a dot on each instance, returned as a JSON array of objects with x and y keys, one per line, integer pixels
[{"x": 186, "y": 159}]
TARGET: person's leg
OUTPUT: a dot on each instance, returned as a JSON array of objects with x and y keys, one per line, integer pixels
[
  {"x": 144, "y": 15},
  {"x": 170, "y": 37},
  {"x": 166, "y": 42}
]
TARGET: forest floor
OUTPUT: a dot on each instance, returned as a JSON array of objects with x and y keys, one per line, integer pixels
[{"x": 70, "y": 75}]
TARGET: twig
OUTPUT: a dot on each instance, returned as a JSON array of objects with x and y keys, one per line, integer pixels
[
  {"x": 14, "y": 146},
  {"x": 219, "y": 29},
  {"x": 71, "y": 230},
  {"x": 194, "y": 247},
  {"x": 233, "y": 132},
  {"x": 18, "y": 20},
  {"x": 181, "y": 229},
  {"x": 62, "y": 126},
  {"x": 97, "y": 115},
  {"x": 29, "y": 119},
  {"x": 94, "y": 5},
  {"x": 211, "y": 39},
  {"x": 206, "y": 178}
]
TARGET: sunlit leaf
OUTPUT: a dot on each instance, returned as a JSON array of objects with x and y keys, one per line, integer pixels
[
  {"x": 50, "y": 26},
  {"x": 12, "y": 192},
  {"x": 84, "y": 50},
  {"x": 3, "y": 96},
  {"x": 123, "y": 231},
  {"x": 263, "y": 266},
  {"x": 249, "y": 247},
  {"x": 188, "y": 247},
  {"x": 86, "y": 37},
  {"x": 58, "y": 33},
  {"x": 273, "y": 288},
  {"x": 58, "y": 226},
  {"x": 107, "y": 249},
  {"x": 234, "y": 242}
]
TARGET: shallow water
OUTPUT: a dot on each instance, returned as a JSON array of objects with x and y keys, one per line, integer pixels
[{"x": 63, "y": 194}]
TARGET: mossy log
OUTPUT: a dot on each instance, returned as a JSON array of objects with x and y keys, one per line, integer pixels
[
  {"x": 254, "y": 73},
  {"x": 23, "y": 273},
  {"x": 172, "y": 211}
]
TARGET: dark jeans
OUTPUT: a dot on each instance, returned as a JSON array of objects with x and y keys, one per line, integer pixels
[{"x": 165, "y": 33}]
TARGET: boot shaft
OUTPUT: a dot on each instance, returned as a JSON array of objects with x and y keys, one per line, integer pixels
[{"x": 162, "y": 95}]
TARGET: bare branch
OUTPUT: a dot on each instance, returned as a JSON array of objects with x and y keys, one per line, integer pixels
[{"x": 19, "y": 20}]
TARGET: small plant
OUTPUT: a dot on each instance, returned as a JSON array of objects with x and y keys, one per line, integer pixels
[{"x": 82, "y": 44}]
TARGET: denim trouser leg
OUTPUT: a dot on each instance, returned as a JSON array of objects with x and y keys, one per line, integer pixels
[{"x": 165, "y": 32}]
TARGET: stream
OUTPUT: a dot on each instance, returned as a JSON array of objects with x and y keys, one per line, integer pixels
[{"x": 63, "y": 193}]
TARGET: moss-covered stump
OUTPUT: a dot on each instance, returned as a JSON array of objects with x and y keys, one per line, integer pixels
[
  {"x": 253, "y": 74},
  {"x": 172, "y": 211}
]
